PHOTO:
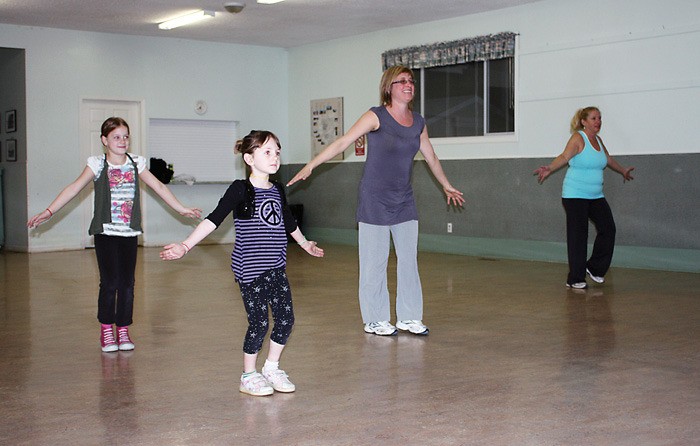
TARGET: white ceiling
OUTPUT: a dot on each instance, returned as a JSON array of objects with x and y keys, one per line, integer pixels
[{"x": 287, "y": 24}]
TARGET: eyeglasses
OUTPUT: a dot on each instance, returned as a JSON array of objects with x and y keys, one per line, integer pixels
[{"x": 404, "y": 82}]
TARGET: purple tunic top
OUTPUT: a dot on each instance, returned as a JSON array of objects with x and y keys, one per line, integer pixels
[{"x": 385, "y": 194}]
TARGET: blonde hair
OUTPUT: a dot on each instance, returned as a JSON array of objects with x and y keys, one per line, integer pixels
[
  {"x": 388, "y": 77},
  {"x": 580, "y": 115}
]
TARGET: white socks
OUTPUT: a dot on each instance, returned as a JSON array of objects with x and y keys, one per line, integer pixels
[{"x": 270, "y": 365}]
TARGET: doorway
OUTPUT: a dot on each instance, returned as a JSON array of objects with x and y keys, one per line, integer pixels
[{"x": 93, "y": 113}]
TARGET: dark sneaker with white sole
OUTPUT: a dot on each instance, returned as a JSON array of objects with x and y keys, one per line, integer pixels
[
  {"x": 577, "y": 285},
  {"x": 596, "y": 279}
]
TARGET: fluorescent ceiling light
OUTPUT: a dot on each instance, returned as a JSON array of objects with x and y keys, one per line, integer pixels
[
  {"x": 269, "y": 2},
  {"x": 186, "y": 19}
]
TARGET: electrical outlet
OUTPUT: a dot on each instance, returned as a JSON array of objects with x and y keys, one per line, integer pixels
[{"x": 449, "y": 228}]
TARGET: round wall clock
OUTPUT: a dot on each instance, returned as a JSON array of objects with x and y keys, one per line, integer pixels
[
  {"x": 200, "y": 107},
  {"x": 326, "y": 123}
]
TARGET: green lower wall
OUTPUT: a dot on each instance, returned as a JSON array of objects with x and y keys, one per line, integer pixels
[{"x": 507, "y": 214}]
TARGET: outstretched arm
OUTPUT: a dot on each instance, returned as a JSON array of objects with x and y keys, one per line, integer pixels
[
  {"x": 175, "y": 251},
  {"x": 625, "y": 172},
  {"x": 617, "y": 167},
  {"x": 573, "y": 148},
  {"x": 367, "y": 123},
  {"x": 306, "y": 245},
  {"x": 426, "y": 148},
  {"x": 66, "y": 195},
  {"x": 167, "y": 196}
]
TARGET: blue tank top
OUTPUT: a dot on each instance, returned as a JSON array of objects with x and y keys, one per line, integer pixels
[
  {"x": 385, "y": 195},
  {"x": 584, "y": 177}
]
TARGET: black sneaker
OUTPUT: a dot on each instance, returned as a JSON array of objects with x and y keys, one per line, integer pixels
[
  {"x": 596, "y": 279},
  {"x": 577, "y": 285}
]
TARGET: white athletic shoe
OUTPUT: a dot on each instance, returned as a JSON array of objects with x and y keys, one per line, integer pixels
[
  {"x": 412, "y": 326},
  {"x": 255, "y": 384},
  {"x": 382, "y": 328},
  {"x": 279, "y": 380},
  {"x": 596, "y": 279}
]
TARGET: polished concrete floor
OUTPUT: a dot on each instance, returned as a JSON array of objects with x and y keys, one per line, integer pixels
[{"x": 513, "y": 357}]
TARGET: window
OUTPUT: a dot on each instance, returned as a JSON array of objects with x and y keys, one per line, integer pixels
[
  {"x": 465, "y": 87},
  {"x": 197, "y": 148}
]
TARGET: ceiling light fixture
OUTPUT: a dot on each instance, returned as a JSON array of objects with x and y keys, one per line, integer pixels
[
  {"x": 269, "y": 2},
  {"x": 234, "y": 7},
  {"x": 186, "y": 19}
]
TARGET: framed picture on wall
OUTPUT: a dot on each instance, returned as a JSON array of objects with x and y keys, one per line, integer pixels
[
  {"x": 326, "y": 124},
  {"x": 11, "y": 121},
  {"x": 11, "y": 150}
]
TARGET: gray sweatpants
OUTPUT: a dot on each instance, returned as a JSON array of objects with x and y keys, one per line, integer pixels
[{"x": 374, "y": 243}]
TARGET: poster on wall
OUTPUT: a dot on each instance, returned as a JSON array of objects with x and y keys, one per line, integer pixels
[
  {"x": 326, "y": 124},
  {"x": 360, "y": 145}
]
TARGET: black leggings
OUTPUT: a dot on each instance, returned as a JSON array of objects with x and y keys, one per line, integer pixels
[
  {"x": 578, "y": 212},
  {"x": 116, "y": 259},
  {"x": 270, "y": 288}
]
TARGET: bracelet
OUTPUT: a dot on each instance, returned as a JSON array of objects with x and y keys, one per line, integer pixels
[
  {"x": 187, "y": 248},
  {"x": 50, "y": 213}
]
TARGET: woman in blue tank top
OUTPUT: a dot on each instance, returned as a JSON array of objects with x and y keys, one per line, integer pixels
[
  {"x": 386, "y": 208},
  {"x": 583, "y": 199}
]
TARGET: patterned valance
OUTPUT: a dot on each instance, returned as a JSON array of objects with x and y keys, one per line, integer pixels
[{"x": 492, "y": 46}]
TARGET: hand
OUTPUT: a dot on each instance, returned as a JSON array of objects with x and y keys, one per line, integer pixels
[
  {"x": 39, "y": 218},
  {"x": 627, "y": 174},
  {"x": 173, "y": 251},
  {"x": 312, "y": 249},
  {"x": 542, "y": 173},
  {"x": 192, "y": 213},
  {"x": 303, "y": 174},
  {"x": 453, "y": 196}
]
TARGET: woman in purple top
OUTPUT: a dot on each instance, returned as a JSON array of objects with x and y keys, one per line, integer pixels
[{"x": 386, "y": 207}]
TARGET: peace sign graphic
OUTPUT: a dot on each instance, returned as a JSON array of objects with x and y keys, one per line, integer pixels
[{"x": 270, "y": 213}]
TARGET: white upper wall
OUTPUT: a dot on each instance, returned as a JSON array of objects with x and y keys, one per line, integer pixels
[
  {"x": 635, "y": 59},
  {"x": 240, "y": 83}
]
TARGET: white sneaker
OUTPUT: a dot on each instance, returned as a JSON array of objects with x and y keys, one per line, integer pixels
[
  {"x": 596, "y": 279},
  {"x": 255, "y": 384},
  {"x": 577, "y": 285},
  {"x": 279, "y": 380},
  {"x": 413, "y": 326},
  {"x": 382, "y": 328}
]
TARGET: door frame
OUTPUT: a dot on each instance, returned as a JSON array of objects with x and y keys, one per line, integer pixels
[{"x": 138, "y": 139}]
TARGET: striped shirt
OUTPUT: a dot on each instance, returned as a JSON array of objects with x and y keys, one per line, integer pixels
[{"x": 261, "y": 241}]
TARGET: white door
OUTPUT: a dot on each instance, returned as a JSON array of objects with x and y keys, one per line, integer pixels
[{"x": 93, "y": 113}]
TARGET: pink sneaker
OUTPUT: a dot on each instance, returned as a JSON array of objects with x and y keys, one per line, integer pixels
[
  {"x": 107, "y": 339},
  {"x": 125, "y": 344}
]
